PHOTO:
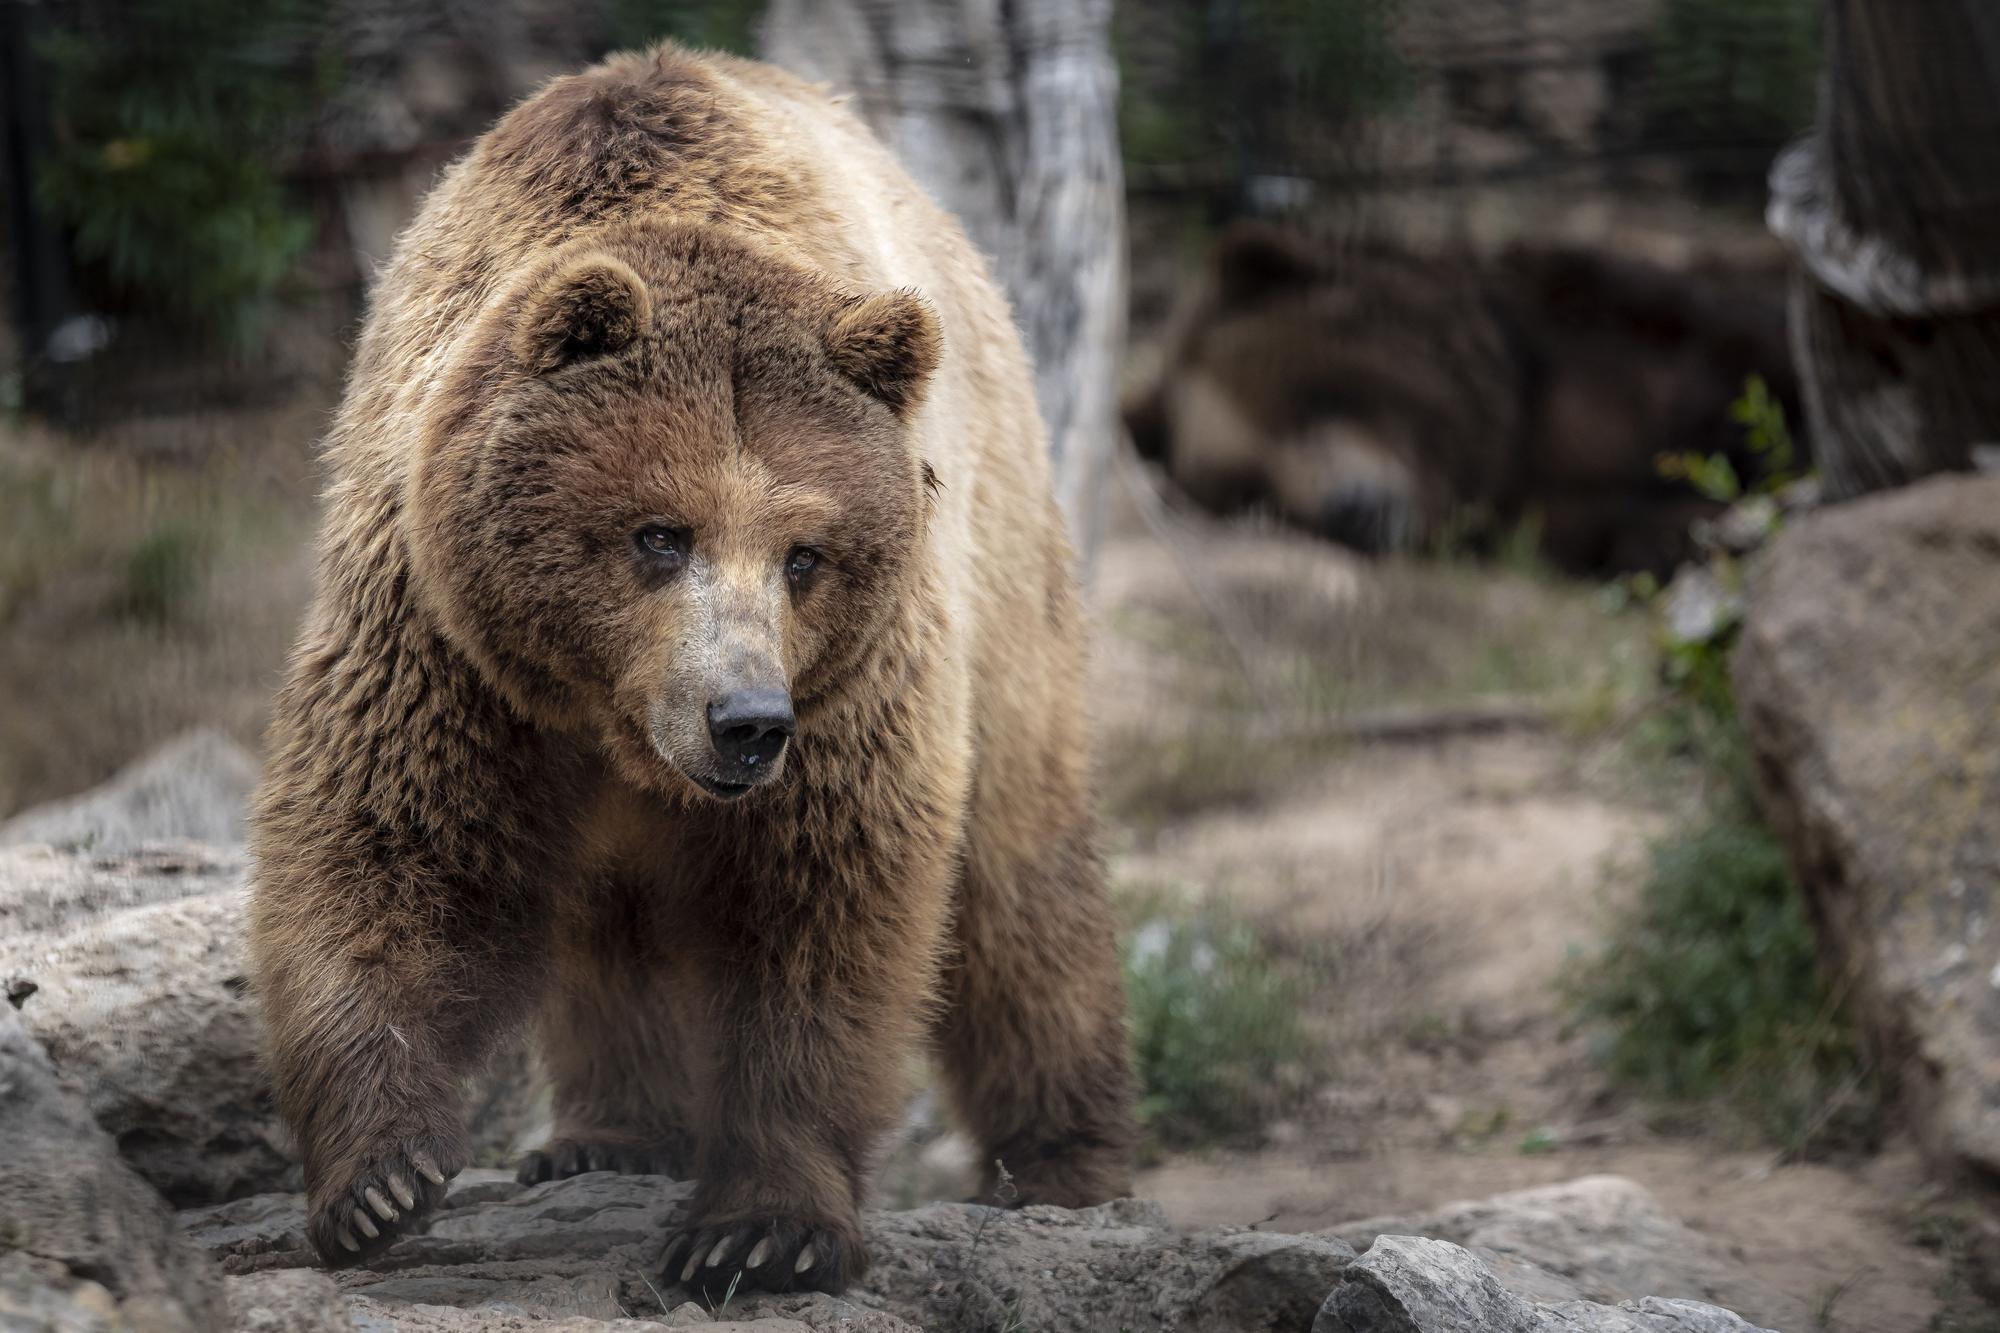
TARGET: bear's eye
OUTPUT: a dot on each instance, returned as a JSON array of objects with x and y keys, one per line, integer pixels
[
  {"x": 662, "y": 543},
  {"x": 802, "y": 561}
]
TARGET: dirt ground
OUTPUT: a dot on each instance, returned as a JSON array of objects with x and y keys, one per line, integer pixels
[{"x": 1451, "y": 875}]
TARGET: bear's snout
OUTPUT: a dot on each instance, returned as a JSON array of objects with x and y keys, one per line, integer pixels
[{"x": 749, "y": 730}]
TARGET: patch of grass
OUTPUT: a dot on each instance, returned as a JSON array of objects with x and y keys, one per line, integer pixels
[
  {"x": 1425, "y": 634},
  {"x": 162, "y": 574},
  {"x": 1254, "y": 704},
  {"x": 1709, "y": 989},
  {"x": 1539, "y": 1143},
  {"x": 1217, "y": 1037},
  {"x": 1207, "y": 766},
  {"x": 139, "y": 595},
  {"x": 1966, "y": 1291},
  {"x": 37, "y": 514}
]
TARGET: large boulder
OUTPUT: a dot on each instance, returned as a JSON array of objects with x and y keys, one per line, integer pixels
[
  {"x": 85, "y": 1245},
  {"x": 1868, "y": 677},
  {"x": 145, "y": 1006},
  {"x": 130, "y": 972}
]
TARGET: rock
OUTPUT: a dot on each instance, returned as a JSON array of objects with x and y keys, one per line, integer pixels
[
  {"x": 287, "y": 1300},
  {"x": 1600, "y": 1238},
  {"x": 588, "y": 1248},
  {"x": 45, "y": 892},
  {"x": 196, "y": 786},
  {"x": 1868, "y": 679},
  {"x": 84, "y": 1243},
  {"x": 148, "y": 1010},
  {"x": 129, "y": 970},
  {"x": 1409, "y": 1285}
]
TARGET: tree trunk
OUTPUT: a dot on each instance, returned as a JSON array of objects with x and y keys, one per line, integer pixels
[
  {"x": 1893, "y": 209},
  {"x": 1006, "y": 111}
]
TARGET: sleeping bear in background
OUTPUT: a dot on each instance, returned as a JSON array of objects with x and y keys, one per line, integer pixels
[
  {"x": 1389, "y": 400},
  {"x": 693, "y": 672}
]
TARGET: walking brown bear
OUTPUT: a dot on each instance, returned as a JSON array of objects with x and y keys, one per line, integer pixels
[{"x": 695, "y": 671}]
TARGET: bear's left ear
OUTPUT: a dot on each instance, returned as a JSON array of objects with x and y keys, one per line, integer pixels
[
  {"x": 888, "y": 344},
  {"x": 590, "y": 307}
]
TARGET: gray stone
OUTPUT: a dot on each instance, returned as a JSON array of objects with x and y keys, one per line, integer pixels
[
  {"x": 84, "y": 1243},
  {"x": 130, "y": 971},
  {"x": 196, "y": 786},
  {"x": 1868, "y": 679},
  {"x": 1598, "y": 1238},
  {"x": 287, "y": 1300},
  {"x": 1406, "y": 1284},
  {"x": 148, "y": 1010}
]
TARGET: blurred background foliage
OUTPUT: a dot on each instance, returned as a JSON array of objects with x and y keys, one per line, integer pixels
[
  {"x": 1735, "y": 73},
  {"x": 182, "y": 185},
  {"x": 169, "y": 174}
]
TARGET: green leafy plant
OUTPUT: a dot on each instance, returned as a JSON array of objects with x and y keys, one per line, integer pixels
[
  {"x": 1765, "y": 433},
  {"x": 171, "y": 128},
  {"x": 1710, "y": 988},
  {"x": 1215, "y": 1024}
]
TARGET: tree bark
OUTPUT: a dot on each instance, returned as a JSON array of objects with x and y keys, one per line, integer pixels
[
  {"x": 1006, "y": 111},
  {"x": 1892, "y": 207}
]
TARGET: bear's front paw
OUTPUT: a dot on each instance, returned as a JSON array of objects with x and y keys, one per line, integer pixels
[
  {"x": 768, "y": 1253},
  {"x": 379, "y": 1200}
]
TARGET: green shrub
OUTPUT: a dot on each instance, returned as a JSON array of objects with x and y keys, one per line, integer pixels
[
  {"x": 1215, "y": 1022},
  {"x": 1710, "y": 988}
]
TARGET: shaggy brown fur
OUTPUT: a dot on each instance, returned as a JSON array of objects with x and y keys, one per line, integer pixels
[
  {"x": 650, "y": 414},
  {"x": 1382, "y": 397}
]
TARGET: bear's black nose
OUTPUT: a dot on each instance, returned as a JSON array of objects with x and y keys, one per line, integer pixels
[{"x": 750, "y": 727}]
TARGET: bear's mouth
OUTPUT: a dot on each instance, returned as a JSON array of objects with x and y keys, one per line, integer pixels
[{"x": 722, "y": 791}]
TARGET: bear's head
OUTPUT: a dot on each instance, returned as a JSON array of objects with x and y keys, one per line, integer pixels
[
  {"x": 1360, "y": 393},
  {"x": 672, "y": 496}
]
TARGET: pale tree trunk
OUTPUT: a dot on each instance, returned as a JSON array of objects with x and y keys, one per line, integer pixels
[
  {"x": 1893, "y": 209},
  {"x": 1006, "y": 111}
]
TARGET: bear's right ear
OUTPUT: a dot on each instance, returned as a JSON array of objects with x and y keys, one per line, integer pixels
[
  {"x": 887, "y": 343},
  {"x": 590, "y": 307}
]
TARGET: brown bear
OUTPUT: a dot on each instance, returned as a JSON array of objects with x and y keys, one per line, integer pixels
[
  {"x": 1388, "y": 399},
  {"x": 695, "y": 671}
]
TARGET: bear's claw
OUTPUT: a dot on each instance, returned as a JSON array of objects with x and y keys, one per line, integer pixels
[
  {"x": 788, "y": 1254},
  {"x": 559, "y": 1159},
  {"x": 383, "y": 1202}
]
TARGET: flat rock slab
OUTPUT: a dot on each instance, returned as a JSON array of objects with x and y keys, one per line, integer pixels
[
  {"x": 589, "y": 1247},
  {"x": 583, "y": 1254}
]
